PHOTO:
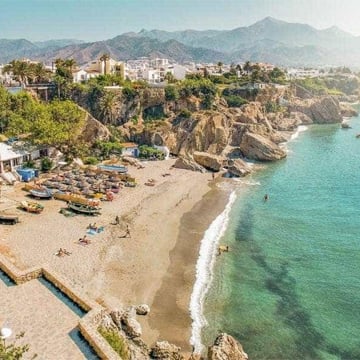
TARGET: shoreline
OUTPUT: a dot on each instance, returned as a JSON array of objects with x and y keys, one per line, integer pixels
[{"x": 167, "y": 222}]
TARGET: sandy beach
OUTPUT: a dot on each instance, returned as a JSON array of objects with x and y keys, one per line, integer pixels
[{"x": 155, "y": 266}]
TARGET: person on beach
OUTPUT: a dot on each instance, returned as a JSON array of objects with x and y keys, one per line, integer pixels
[
  {"x": 266, "y": 197},
  {"x": 117, "y": 220},
  {"x": 213, "y": 176},
  {"x": 127, "y": 233}
]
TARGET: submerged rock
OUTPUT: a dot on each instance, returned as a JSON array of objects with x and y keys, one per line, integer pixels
[{"x": 226, "y": 348}]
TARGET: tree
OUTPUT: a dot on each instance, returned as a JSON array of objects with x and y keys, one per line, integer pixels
[
  {"x": 220, "y": 65},
  {"x": 170, "y": 78},
  {"x": 247, "y": 66},
  {"x": 20, "y": 70},
  {"x": 107, "y": 106},
  {"x": 104, "y": 58},
  {"x": 14, "y": 351}
]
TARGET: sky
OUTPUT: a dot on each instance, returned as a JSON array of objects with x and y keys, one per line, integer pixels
[{"x": 93, "y": 20}]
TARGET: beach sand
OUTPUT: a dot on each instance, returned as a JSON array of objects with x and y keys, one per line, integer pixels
[{"x": 155, "y": 266}]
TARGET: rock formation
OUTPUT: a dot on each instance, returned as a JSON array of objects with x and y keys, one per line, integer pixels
[
  {"x": 209, "y": 161},
  {"x": 142, "y": 309},
  {"x": 321, "y": 110},
  {"x": 238, "y": 168},
  {"x": 257, "y": 147},
  {"x": 226, "y": 348},
  {"x": 166, "y": 351}
]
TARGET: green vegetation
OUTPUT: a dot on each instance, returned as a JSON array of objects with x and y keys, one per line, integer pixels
[
  {"x": 153, "y": 113},
  {"x": 13, "y": 351},
  {"x": 171, "y": 93},
  {"x": 116, "y": 341},
  {"x": 108, "y": 148},
  {"x": 148, "y": 152},
  {"x": 46, "y": 164},
  {"x": 91, "y": 160},
  {"x": 318, "y": 86},
  {"x": 235, "y": 100},
  {"x": 57, "y": 124},
  {"x": 273, "y": 107}
]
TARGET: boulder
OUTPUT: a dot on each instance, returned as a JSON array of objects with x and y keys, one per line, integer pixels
[
  {"x": 347, "y": 110},
  {"x": 142, "y": 309},
  {"x": 166, "y": 351},
  {"x": 187, "y": 164},
  {"x": 226, "y": 348},
  {"x": 321, "y": 110},
  {"x": 238, "y": 168},
  {"x": 93, "y": 130},
  {"x": 257, "y": 147},
  {"x": 131, "y": 326},
  {"x": 301, "y": 118},
  {"x": 117, "y": 316},
  {"x": 209, "y": 161}
]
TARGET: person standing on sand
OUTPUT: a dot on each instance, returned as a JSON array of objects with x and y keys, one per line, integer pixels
[
  {"x": 117, "y": 220},
  {"x": 127, "y": 233},
  {"x": 213, "y": 176}
]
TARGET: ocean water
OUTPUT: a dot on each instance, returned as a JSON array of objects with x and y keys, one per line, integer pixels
[{"x": 290, "y": 286}]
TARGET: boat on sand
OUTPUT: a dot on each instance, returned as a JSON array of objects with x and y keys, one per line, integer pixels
[
  {"x": 31, "y": 206},
  {"x": 84, "y": 209}
]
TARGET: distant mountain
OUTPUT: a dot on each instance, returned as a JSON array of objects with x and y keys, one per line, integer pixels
[
  {"x": 127, "y": 46},
  {"x": 15, "y": 49},
  {"x": 268, "y": 40},
  {"x": 56, "y": 44}
]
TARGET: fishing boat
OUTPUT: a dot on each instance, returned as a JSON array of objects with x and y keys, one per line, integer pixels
[
  {"x": 76, "y": 199},
  {"x": 8, "y": 219},
  {"x": 84, "y": 209},
  {"x": 31, "y": 206},
  {"x": 43, "y": 193}
]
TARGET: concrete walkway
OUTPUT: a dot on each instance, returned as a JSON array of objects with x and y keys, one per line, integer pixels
[{"x": 45, "y": 319}]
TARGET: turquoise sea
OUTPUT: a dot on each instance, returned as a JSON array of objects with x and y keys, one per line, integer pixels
[{"x": 290, "y": 286}]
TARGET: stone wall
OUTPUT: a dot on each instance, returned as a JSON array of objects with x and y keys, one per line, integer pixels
[{"x": 88, "y": 324}]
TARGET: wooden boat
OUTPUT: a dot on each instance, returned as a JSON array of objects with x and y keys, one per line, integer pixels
[
  {"x": 84, "y": 209},
  {"x": 31, "y": 206},
  {"x": 76, "y": 199},
  {"x": 8, "y": 219},
  {"x": 43, "y": 193}
]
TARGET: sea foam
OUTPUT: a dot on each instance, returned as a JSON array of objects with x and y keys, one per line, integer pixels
[
  {"x": 204, "y": 272},
  {"x": 300, "y": 129}
]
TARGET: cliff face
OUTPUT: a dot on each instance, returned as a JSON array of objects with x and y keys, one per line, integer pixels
[{"x": 323, "y": 110}]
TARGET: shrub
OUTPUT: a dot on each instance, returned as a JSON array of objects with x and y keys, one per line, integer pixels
[
  {"x": 235, "y": 100},
  {"x": 149, "y": 152},
  {"x": 116, "y": 341},
  {"x": 46, "y": 164},
  {"x": 184, "y": 114},
  {"x": 171, "y": 93},
  {"x": 29, "y": 164},
  {"x": 91, "y": 160}
]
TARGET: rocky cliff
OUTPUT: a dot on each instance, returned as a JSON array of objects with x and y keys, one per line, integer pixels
[
  {"x": 211, "y": 137},
  {"x": 207, "y": 139}
]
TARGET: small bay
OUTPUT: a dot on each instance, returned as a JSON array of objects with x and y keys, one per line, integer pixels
[{"x": 290, "y": 286}]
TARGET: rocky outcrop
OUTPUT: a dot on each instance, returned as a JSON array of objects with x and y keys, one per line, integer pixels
[
  {"x": 322, "y": 110},
  {"x": 347, "y": 110},
  {"x": 209, "y": 161},
  {"x": 126, "y": 320},
  {"x": 226, "y": 348},
  {"x": 257, "y": 147},
  {"x": 187, "y": 164},
  {"x": 142, "y": 309},
  {"x": 166, "y": 351},
  {"x": 93, "y": 130},
  {"x": 238, "y": 168}
]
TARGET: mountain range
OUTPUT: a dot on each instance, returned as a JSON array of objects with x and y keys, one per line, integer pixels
[{"x": 268, "y": 40}]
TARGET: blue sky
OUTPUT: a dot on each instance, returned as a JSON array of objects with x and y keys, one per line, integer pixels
[{"x": 103, "y": 19}]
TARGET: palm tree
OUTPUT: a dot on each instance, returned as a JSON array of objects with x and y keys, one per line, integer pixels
[
  {"x": 70, "y": 64},
  {"x": 220, "y": 64},
  {"x": 104, "y": 58},
  {"x": 247, "y": 66},
  {"x": 20, "y": 70},
  {"x": 107, "y": 105}
]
